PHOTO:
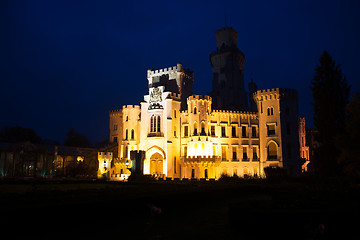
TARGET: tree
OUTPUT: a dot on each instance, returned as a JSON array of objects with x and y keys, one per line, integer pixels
[
  {"x": 330, "y": 93},
  {"x": 18, "y": 134},
  {"x": 74, "y": 139},
  {"x": 349, "y": 142}
]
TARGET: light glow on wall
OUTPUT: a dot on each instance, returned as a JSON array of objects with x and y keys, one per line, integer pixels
[{"x": 200, "y": 148}]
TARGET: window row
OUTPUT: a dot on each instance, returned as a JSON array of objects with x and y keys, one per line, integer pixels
[
  {"x": 223, "y": 133},
  {"x": 132, "y": 134}
]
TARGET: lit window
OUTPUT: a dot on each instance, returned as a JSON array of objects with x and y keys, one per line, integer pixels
[
  {"x": 223, "y": 152},
  {"x": 271, "y": 129},
  {"x": 154, "y": 124},
  {"x": 272, "y": 151}
]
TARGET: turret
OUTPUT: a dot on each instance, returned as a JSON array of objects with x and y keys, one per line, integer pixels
[{"x": 227, "y": 63}]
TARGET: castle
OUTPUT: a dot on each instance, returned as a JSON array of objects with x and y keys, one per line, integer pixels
[{"x": 203, "y": 137}]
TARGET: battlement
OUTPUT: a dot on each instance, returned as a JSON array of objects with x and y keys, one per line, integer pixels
[
  {"x": 168, "y": 70},
  {"x": 274, "y": 93},
  {"x": 171, "y": 71},
  {"x": 115, "y": 112},
  {"x": 174, "y": 95},
  {"x": 107, "y": 154},
  {"x": 129, "y": 107},
  {"x": 235, "y": 112},
  {"x": 199, "y": 97}
]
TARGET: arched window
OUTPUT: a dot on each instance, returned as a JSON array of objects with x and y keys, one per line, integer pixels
[
  {"x": 195, "y": 112},
  {"x": 202, "y": 128},
  {"x": 203, "y": 147},
  {"x": 132, "y": 134},
  {"x": 270, "y": 111},
  {"x": 155, "y": 124},
  {"x": 152, "y": 124},
  {"x": 127, "y": 118},
  {"x": 272, "y": 151},
  {"x": 158, "y": 124},
  {"x": 126, "y": 134},
  {"x": 195, "y": 129}
]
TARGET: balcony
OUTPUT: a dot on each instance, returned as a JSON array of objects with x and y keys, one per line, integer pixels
[
  {"x": 201, "y": 160},
  {"x": 155, "y": 134}
]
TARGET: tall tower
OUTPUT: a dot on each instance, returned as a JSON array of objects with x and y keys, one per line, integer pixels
[{"x": 227, "y": 62}]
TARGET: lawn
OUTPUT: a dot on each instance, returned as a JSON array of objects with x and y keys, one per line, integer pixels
[{"x": 191, "y": 210}]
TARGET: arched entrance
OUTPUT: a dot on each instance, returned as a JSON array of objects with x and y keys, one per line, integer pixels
[{"x": 156, "y": 164}]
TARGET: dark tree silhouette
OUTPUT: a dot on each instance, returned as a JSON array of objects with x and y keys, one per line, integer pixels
[
  {"x": 18, "y": 134},
  {"x": 349, "y": 142},
  {"x": 74, "y": 139},
  {"x": 330, "y": 93}
]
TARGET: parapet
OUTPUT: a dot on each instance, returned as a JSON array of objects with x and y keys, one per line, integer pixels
[
  {"x": 170, "y": 70},
  {"x": 199, "y": 97},
  {"x": 175, "y": 96},
  {"x": 105, "y": 156},
  {"x": 115, "y": 112},
  {"x": 130, "y": 107},
  {"x": 274, "y": 93}
]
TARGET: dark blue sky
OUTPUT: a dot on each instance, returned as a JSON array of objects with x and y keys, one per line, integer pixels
[{"x": 67, "y": 63}]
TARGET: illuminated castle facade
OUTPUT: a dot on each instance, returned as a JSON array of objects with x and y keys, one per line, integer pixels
[{"x": 202, "y": 137}]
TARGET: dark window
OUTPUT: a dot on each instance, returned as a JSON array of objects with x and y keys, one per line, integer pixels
[
  {"x": 192, "y": 173},
  {"x": 115, "y": 140},
  {"x": 195, "y": 111},
  {"x": 185, "y": 151},
  {"x": 126, "y": 134},
  {"x": 212, "y": 130},
  {"x": 186, "y": 131},
  {"x": 245, "y": 157},
  {"x": 233, "y": 131},
  {"x": 234, "y": 153},
  {"x": 206, "y": 173},
  {"x": 158, "y": 124},
  {"x": 174, "y": 164},
  {"x": 255, "y": 156},
  {"x": 243, "y": 128},
  {"x": 253, "y": 132},
  {"x": 132, "y": 134},
  {"x": 223, "y": 132},
  {"x": 203, "y": 128},
  {"x": 195, "y": 129}
]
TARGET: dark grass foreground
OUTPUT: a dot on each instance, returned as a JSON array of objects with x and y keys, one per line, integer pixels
[{"x": 181, "y": 210}]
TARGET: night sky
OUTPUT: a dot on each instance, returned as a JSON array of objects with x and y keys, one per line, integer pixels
[{"x": 66, "y": 63}]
